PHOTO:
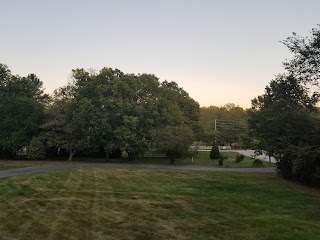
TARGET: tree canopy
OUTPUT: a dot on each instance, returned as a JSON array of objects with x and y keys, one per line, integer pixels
[
  {"x": 227, "y": 124},
  {"x": 285, "y": 119},
  {"x": 305, "y": 64},
  {"x": 174, "y": 141},
  {"x": 113, "y": 110},
  {"x": 22, "y": 103}
]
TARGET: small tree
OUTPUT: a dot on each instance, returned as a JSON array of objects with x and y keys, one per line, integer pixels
[
  {"x": 214, "y": 153},
  {"x": 36, "y": 149},
  {"x": 174, "y": 141}
]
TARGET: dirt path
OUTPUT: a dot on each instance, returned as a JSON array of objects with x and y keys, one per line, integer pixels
[{"x": 47, "y": 168}]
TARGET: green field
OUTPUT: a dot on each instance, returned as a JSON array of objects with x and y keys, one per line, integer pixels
[
  {"x": 8, "y": 164},
  {"x": 98, "y": 203},
  {"x": 201, "y": 159}
]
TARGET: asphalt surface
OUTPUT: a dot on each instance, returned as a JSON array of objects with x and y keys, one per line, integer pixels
[
  {"x": 48, "y": 168},
  {"x": 251, "y": 153}
]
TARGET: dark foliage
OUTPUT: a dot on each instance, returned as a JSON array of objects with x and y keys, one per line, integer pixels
[
  {"x": 239, "y": 158},
  {"x": 215, "y": 153},
  {"x": 257, "y": 163}
]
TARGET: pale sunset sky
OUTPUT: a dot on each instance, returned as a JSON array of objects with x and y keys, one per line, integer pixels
[{"x": 218, "y": 51}]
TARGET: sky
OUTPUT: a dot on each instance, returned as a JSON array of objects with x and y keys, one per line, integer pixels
[{"x": 219, "y": 51}]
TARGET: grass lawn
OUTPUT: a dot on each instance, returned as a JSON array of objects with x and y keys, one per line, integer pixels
[
  {"x": 98, "y": 203},
  {"x": 201, "y": 159},
  {"x": 8, "y": 164}
]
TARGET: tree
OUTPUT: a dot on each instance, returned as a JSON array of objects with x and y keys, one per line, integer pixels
[
  {"x": 214, "y": 153},
  {"x": 285, "y": 120},
  {"x": 130, "y": 107},
  {"x": 305, "y": 64},
  {"x": 174, "y": 141},
  {"x": 22, "y": 104},
  {"x": 227, "y": 124},
  {"x": 285, "y": 123},
  {"x": 136, "y": 98},
  {"x": 37, "y": 149},
  {"x": 185, "y": 109},
  {"x": 113, "y": 110},
  {"x": 60, "y": 129},
  {"x": 99, "y": 93}
]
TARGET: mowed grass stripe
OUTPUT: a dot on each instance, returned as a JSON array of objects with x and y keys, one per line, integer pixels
[
  {"x": 99, "y": 203},
  {"x": 201, "y": 159}
]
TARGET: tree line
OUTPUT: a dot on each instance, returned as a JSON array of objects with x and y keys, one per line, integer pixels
[
  {"x": 106, "y": 111},
  {"x": 226, "y": 125}
]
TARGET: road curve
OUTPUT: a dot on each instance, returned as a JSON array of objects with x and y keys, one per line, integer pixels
[{"x": 37, "y": 169}]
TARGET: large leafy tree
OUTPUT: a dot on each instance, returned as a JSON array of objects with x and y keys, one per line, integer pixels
[
  {"x": 98, "y": 90},
  {"x": 61, "y": 128},
  {"x": 80, "y": 117},
  {"x": 180, "y": 108},
  {"x": 285, "y": 119},
  {"x": 22, "y": 103},
  {"x": 285, "y": 123},
  {"x": 112, "y": 110},
  {"x": 136, "y": 112}
]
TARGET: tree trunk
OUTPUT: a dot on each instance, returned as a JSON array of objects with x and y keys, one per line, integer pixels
[
  {"x": 107, "y": 155},
  {"x": 171, "y": 157},
  {"x": 71, "y": 153},
  {"x": 131, "y": 155},
  {"x": 171, "y": 160},
  {"x": 269, "y": 159}
]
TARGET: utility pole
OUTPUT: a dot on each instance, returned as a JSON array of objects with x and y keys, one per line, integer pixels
[{"x": 215, "y": 129}]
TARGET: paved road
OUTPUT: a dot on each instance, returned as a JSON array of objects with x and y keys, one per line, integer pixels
[
  {"x": 262, "y": 156},
  {"x": 47, "y": 168}
]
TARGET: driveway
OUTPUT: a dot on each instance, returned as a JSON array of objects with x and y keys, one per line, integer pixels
[
  {"x": 47, "y": 168},
  {"x": 251, "y": 153}
]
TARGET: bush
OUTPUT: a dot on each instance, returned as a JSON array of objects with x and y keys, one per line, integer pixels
[
  {"x": 36, "y": 149},
  {"x": 257, "y": 163},
  {"x": 305, "y": 167},
  {"x": 214, "y": 153},
  {"x": 174, "y": 141},
  {"x": 239, "y": 158},
  {"x": 222, "y": 158}
]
